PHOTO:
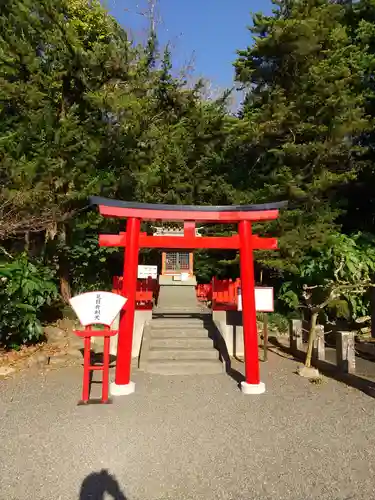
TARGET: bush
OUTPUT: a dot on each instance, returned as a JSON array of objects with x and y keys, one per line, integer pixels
[
  {"x": 278, "y": 322},
  {"x": 25, "y": 289}
]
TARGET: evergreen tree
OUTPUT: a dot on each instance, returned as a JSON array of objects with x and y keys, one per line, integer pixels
[
  {"x": 54, "y": 58},
  {"x": 303, "y": 112}
]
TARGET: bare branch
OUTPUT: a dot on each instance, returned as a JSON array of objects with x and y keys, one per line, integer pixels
[
  {"x": 6, "y": 253},
  {"x": 17, "y": 218},
  {"x": 357, "y": 288},
  {"x": 151, "y": 13},
  {"x": 339, "y": 269}
]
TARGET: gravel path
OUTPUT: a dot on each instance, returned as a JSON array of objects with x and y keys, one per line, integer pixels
[{"x": 180, "y": 438}]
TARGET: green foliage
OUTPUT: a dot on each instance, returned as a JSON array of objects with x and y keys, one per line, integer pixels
[
  {"x": 82, "y": 112},
  {"x": 85, "y": 112},
  {"x": 336, "y": 277},
  {"x": 54, "y": 56},
  {"x": 303, "y": 113},
  {"x": 25, "y": 290},
  {"x": 305, "y": 134},
  {"x": 278, "y": 322}
]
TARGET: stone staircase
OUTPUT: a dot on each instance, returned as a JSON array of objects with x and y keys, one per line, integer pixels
[{"x": 178, "y": 339}]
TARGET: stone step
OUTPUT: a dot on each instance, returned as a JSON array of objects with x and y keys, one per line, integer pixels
[
  {"x": 182, "y": 353},
  {"x": 176, "y": 321},
  {"x": 178, "y": 333},
  {"x": 184, "y": 342},
  {"x": 185, "y": 367},
  {"x": 157, "y": 324},
  {"x": 178, "y": 310},
  {"x": 182, "y": 304}
]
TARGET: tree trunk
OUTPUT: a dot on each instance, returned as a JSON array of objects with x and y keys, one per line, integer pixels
[
  {"x": 64, "y": 268},
  {"x": 312, "y": 335},
  {"x": 27, "y": 242}
]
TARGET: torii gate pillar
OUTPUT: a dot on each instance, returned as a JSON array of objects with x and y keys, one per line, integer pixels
[
  {"x": 122, "y": 384},
  {"x": 252, "y": 383}
]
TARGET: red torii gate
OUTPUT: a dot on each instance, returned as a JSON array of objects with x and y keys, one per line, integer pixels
[{"x": 133, "y": 240}]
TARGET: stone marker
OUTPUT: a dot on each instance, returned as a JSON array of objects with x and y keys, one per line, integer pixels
[
  {"x": 295, "y": 335},
  {"x": 308, "y": 372},
  {"x": 54, "y": 334},
  {"x": 319, "y": 352},
  {"x": 37, "y": 359},
  {"x": 345, "y": 352},
  {"x": 59, "y": 359}
]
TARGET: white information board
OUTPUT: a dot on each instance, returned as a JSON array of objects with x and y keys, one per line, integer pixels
[
  {"x": 97, "y": 307},
  {"x": 263, "y": 299},
  {"x": 147, "y": 272}
]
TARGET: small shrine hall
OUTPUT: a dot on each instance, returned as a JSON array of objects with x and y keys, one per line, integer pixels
[{"x": 177, "y": 266}]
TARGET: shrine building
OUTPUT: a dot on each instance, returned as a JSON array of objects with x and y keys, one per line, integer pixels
[{"x": 177, "y": 266}]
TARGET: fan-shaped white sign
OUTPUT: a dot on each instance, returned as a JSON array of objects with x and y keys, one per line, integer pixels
[{"x": 97, "y": 307}]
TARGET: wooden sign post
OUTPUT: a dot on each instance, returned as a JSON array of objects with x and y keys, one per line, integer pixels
[{"x": 264, "y": 302}]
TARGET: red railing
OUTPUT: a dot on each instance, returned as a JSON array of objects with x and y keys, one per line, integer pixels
[
  {"x": 147, "y": 291},
  {"x": 221, "y": 293},
  {"x": 204, "y": 292}
]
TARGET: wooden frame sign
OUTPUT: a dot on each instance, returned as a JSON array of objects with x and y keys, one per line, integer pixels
[
  {"x": 145, "y": 272},
  {"x": 264, "y": 300}
]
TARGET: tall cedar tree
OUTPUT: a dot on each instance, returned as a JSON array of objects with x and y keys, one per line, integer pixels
[
  {"x": 84, "y": 112},
  {"x": 302, "y": 115}
]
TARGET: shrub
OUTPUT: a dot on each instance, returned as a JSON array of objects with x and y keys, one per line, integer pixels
[{"x": 25, "y": 289}]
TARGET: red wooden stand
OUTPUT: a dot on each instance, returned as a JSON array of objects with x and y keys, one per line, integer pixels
[{"x": 87, "y": 333}]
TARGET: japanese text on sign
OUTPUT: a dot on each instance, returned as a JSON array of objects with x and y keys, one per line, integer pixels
[{"x": 97, "y": 307}]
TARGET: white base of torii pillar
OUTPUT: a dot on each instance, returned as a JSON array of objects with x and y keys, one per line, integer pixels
[{"x": 122, "y": 390}]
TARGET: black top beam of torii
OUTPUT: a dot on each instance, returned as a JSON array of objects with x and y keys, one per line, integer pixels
[{"x": 108, "y": 202}]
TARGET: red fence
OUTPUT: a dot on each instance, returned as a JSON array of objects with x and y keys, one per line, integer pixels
[
  {"x": 221, "y": 293},
  {"x": 147, "y": 291}
]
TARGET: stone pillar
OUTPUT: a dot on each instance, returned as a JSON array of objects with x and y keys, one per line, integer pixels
[
  {"x": 319, "y": 352},
  {"x": 141, "y": 317},
  {"x": 345, "y": 351},
  {"x": 373, "y": 313},
  {"x": 295, "y": 335}
]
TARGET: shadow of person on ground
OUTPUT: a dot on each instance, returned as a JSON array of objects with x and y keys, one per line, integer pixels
[{"x": 97, "y": 484}]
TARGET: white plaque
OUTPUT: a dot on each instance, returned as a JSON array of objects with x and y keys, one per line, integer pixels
[
  {"x": 147, "y": 272},
  {"x": 263, "y": 299},
  {"x": 97, "y": 307}
]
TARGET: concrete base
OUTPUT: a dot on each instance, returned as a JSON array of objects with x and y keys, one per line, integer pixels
[
  {"x": 140, "y": 318},
  {"x": 253, "y": 388},
  {"x": 229, "y": 324},
  {"x": 308, "y": 372},
  {"x": 122, "y": 390},
  {"x": 168, "y": 280}
]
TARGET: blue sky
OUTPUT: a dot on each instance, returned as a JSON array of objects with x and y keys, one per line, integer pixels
[{"x": 204, "y": 32}]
